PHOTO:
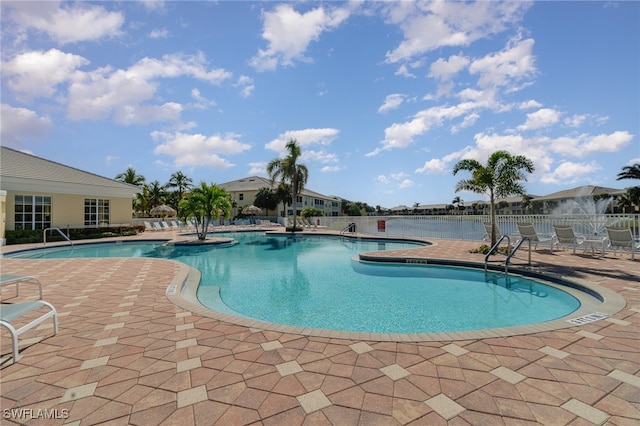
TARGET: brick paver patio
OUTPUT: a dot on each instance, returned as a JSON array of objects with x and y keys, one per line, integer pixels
[{"x": 125, "y": 354}]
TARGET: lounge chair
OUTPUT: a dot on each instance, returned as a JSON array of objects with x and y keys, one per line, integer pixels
[
  {"x": 621, "y": 238},
  {"x": 565, "y": 235},
  {"x": 10, "y": 279},
  {"x": 13, "y": 311},
  {"x": 148, "y": 226},
  {"x": 157, "y": 226},
  {"x": 528, "y": 232},
  {"x": 487, "y": 232}
]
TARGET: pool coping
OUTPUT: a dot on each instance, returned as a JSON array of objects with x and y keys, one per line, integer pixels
[{"x": 183, "y": 293}]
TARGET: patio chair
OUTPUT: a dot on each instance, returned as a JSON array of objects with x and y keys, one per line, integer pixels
[
  {"x": 148, "y": 226},
  {"x": 487, "y": 232},
  {"x": 157, "y": 226},
  {"x": 565, "y": 235},
  {"x": 621, "y": 238},
  {"x": 13, "y": 311},
  {"x": 10, "y": 279},
  {"x": 528, "y": 232}
]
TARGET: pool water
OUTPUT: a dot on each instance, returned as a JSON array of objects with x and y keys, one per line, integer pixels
[{"x": 317, "y": 282}]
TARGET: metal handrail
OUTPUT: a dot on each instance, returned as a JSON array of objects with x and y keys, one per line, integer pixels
[
  {"x": 346, "y": 228},
  {"x": 44, "y": 236},
  {"x": 494, "y": 248}
]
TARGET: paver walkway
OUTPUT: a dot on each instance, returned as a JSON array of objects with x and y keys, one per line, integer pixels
[{"x": 126, "y": 355}]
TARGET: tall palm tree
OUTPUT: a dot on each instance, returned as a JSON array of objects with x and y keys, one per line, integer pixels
[
  {"x": 288, "y": 170},
  {"x": 500, "y": 178},
  {"x": 204, "y": 203},
  {"x": 131, "y": 177},
  {"x": 267, "y": 199},
  {"x": 630, "y": 172},
  {"x": 181, "y": 182}
]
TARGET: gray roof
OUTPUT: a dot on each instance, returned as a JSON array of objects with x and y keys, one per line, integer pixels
[
  {"x": 22, "y": 171},
  {"x": 580, "y": 191}
]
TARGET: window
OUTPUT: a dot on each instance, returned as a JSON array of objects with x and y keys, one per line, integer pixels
[
  {"x": 240, "y": 196},
  {"x": 318, "y": 203},
  {"x": 96, "y": 212},
  {"x": 32, "y": 212}
]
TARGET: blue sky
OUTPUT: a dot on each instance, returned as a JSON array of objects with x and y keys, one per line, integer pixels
[{"x": 383, "y": 97}]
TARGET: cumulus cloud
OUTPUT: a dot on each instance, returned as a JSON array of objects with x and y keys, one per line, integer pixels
[
  {"x": 19, "y": 124},
  {"x": 569, "y": 172},
  {"x": 192, "y": 150},
  {"x": 445, "y": 69},
  {"x": 544, "y": 117},
  {"x": 65, "y": 23},
  {"x": 39, "y": 73},
  {"x": 391, "y": 102},
  {"x": 507, "y": 68},
  {"x": 432, "y": 25},
  {"x": 289, "y": 34},
  {"x": 305, "y": 138}
]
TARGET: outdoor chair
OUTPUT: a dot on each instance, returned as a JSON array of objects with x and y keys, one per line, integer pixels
[
  {"x": 148, "y": 226},
  {"x": 487, "y": 232},
  {"x": 621, "y": 238},
  {"x": 565, "y": 235},
  {"x": 13, "y": 311},
  {"x": 10, "y": 279},
  {"x": 528, "y": 232}
]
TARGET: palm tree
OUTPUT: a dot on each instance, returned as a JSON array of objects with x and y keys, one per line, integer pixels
[
  {"x": 288, "y": 170},
  {"x": 131, "y": 177},
  {"x": 204, "y": 203},
  {"x": 156, "y": 193},
  {"x": 181, "y": 182},
  {"x": 500, "y": 178},
  {"x": 457, "y": 202},
  {"x": 630, "y": 172}
]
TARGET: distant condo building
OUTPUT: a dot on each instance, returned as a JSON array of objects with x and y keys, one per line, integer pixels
[{"x": 243, "y": 192}]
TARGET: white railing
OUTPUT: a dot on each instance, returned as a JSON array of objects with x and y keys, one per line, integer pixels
[{"x": 470, "y": 227}]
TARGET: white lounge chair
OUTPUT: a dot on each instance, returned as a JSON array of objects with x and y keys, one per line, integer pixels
[
  {"x": 13, "y": 311},
  {"x": 157, "y": 226},
  {"x": 11, "y": 279},
  {"x": 148, "y": 226},
  {"x": 621, "y": 238},
  {"x": 565, "y": 235},
  {"x": 528, "y": 232},
  {"x": 487, "y": 232}
]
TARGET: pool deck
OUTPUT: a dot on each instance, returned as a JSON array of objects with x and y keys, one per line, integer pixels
[{"x": 126, "y": 355}]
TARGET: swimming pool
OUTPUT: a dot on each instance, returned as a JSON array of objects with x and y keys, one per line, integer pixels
[{"x": 317, "y": 282}]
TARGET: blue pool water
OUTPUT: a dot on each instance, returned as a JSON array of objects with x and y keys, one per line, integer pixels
[{"x": 314, "y": 282}]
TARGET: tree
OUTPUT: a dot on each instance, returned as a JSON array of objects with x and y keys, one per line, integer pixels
[
  {"x": 131, "y": 177},
  {"x": 181, "y": 182},
  {"x": 204, "y": 203},
  {"x": 156, "y": 193},
  {"x": 289, "y": 171},
  {"x": 266, "y": 198},
  {"x": 458, "y": 203},
  {"x": 500, "y": 178},
  {"x": 630, "y": 172}
]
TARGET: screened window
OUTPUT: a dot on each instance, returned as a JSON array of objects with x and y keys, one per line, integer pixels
[
  {"x": 32, "y": 212},
  {"x": 96, "y": 212}
]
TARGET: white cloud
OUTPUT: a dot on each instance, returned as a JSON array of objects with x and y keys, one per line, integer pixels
[
  {"x": 305, "y": 138},
  {"x": 159, "y": 33},
  {"x": 427, "y": 26},
  {"x": 530, "y": 104},
  {"x": 391, "y": 102},
  {"x": 401, "y": 135},
  {"x": 65, "y": 23},
  {"x": 330, "y": 169},
  {"x": 19, "y": 124},
  {"x": 124, "y": 94},
  {"x": 545, "y": 117},
  {"x": 289, "y": 34},
  {"x": 407, "y": 183},
  {"x": 197, "y": 149},
  {"x": 246, "y": 86},
  {"x": 569, "y": 172},
  {"x": 38, "y": 73},
  {"x": 258, "y": 168},
  {"x": 607, "y": 143},
  {"x": 201, "y": 101},
  {"x": 445, "y": 69},
  {"x": 512, "y": 65}
]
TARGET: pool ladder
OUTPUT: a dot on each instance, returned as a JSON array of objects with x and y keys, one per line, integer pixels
[
  {"x": 510, "y": 252},
  {"x": 44, "y": 236},
  {"x": 349, "y": 228}
]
